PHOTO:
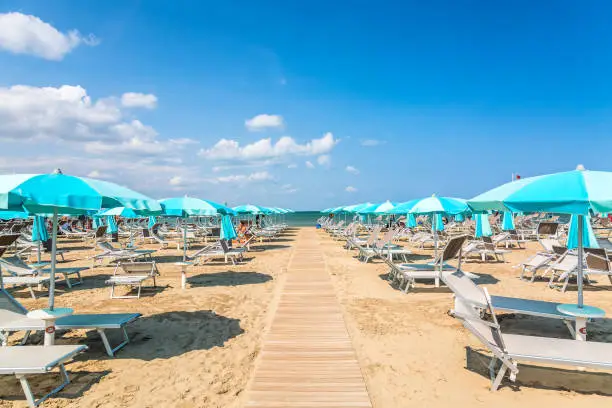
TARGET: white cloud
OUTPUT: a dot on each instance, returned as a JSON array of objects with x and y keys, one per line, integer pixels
[
  {"x": 226, "y": 149},
  {"x": 352, "y": 170},
  {"x": 289, "y": 189},
  {"x": 176, "y": 181},
  {"x": 242, "y": 178},
  {"x": 372, "y": 142},
  {"x": 292, "y": 166},
  {"x": 27, "y": 34},
  {"x": 350, "y": 189},
  {"x": 309, "y": 164},
  {"x": 324, "y": 160},
  {"x": 138, "y": 100},
  {"x": 264, "y": 121}
]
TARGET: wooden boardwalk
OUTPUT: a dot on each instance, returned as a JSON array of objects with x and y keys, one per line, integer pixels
[{"x": 307, "y": 357}]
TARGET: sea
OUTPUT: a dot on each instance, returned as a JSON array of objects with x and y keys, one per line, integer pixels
[{"x": 302, "y": 218}]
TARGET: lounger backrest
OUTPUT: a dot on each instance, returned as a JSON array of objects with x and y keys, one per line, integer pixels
[
  {"x": 9, "y": 304},
  {"x": 597, "y": 263},
  {"x": 100, "y": 231},
  {"x": 138, "y": 268},
  {"x": 559, "y": 250},
  {"x": 8, "y": 240},
  {"x": 488, "y": 243},
  {"x": 465, "y": 288},
  {"x": 548, "y": 228},
  {"x": 224, "y": 245},
  {"x": 452, "y": 249},
  {"x": 15, "y": 266}
]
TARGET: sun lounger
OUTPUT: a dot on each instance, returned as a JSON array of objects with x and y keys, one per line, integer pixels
[
  {"x": 534, "y": 263},
  {"x": 24, "y": 361},
  {"x": 509, "y": 349},
  {"x": 485, "y": 249},
  {"x": 562, "y": 269},
  {"x": 13, "y": 318},
  {"x": 116, "y": 254},
  {"x": 407, "y": 274},
  {"x": 217, "y": 250},
  {"x": 468, "y": 295},
  {"x": 17, "y": 267},
  {"x": 132, "y": 274}
]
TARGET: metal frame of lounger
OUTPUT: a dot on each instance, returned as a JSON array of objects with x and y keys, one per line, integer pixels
[
  {"x": 15, "y": 320},
  {"x": 534, "y": 263},
  {"x": 57, "y": 356},
  {"x": 510, "y": 348},
  {"x": 27, "y": 281}
]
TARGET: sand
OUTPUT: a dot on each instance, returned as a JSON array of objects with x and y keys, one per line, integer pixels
[{"x": 198, "y": 347}]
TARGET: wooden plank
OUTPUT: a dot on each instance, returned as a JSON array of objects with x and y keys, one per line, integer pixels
[{"x": 307, "y": 358}]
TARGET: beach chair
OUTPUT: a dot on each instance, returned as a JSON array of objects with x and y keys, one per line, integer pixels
[
  {"x": 468, "y": 295},
  {"x": 13, "y": 318},
  {"x": 509, "y": 349},
  {"x": 563, "y": 268},
  {"x": 132, "y": 274},
  {"x": 220, "y": 249},
  {"x": 407, "y": 274},
  {"x": 117, "y": 254},
  {"x": 6, "y": 241},
  {"x": 484, "y": 249},
  {"x": 534, "y": 263},
  {"x": 16, "y": 267},
  {"x": 24, "y": 361},
  {"x": 154, "y": 234}
]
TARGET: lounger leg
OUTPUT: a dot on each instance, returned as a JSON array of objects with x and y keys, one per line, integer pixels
[
  {"x": 32, "y": 402},
  {"x": 27, "y": 391},
  {"x": 499, "y": 378},
  {"x": 26, "y": 337},
  {"x": 109, "y": 349},
  {"x": 32, "y": 292},
  {"x": 4, "y": 338},
  {"x": 67, "y": 279}
]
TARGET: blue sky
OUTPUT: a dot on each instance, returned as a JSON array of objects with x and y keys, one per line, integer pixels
[{"x": 386, "y": 100}]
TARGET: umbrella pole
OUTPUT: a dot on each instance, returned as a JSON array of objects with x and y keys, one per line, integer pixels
[
  {"x": 435, "y": 236},
  {"x": 53, "y": 253},
  {"x": 580, "y": 255},
  {"x": 184, "y": 242}
]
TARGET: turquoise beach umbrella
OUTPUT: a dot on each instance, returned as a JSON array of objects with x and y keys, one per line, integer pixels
[
  {"x": 191, "y": 206},
  {"x": 96, "y": 222},
  {"x": 227, "y": 228},
  {"x": 508, "y": 221},
  {"x": 250, "y": 209},
  {"x": 152, "y": 221},
  {"x": 483, "y": 227},
  {"x": 459, "y": 218},
  {"x": 57, "y": 193},
  {"x": 113, "y": 228},
  {"x": 119, "y": 211},
  {"x": 12, "y": 215},
  {"x": 578, "y": 192},
  {"x": 411, "y": 220},
  {"x": 379, "y": 208},
  {"x": 439, "y": 224},
  {"x": 39, "y": 229},
  {"x": 588, "y": 236}
]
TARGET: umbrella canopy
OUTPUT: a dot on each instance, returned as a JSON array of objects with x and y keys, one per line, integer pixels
[
  {"x": 188, "y": 206},
  {"x": 250, "y": 209},
  {"x": 433, "y": 204},
  {"x": 96, "y": 221},
  {"x": 588, "y": 236},
  {"x": 227, "y": 228},
  {"x": 113, "y": 228},
  {"x": 64, "y": 194},
  {"x": 571, "y": 192},
  {"x": 11, "y": 215},
  {"x": 411, "y": 221},
  {"x": 357, "y": 208},
  {"x": 439, "y": 224},
  {"x": 459, "y": 218},
  {"x": 380, "y": 208},
  {"x": 152, "y": 221},
  {"x": 483, "y": 227},
  {"x": 508, "y": 221},
  {"x": 119, "y": 211},
  {"x": 57, "y": 193},
  {"x": 39, "y": 229}
]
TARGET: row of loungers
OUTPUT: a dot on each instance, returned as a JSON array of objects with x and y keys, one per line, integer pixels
[{"x": 30, "y": 360}]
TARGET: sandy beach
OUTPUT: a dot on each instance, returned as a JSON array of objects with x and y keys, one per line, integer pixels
[{"x": 198, "y": 347}]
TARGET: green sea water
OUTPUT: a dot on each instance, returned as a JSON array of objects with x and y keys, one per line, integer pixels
[{"x": 302, "y": 218}]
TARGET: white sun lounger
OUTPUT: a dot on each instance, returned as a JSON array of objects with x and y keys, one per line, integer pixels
[
  {"x": 27, "y": 281},
  {"x": 24, "y": 361},
  {"x": 468, "y": 294},
  {"x": 17, "y": 267},
  {"x": 512, "y": 348},
  {"x": 13, "y": 318},
  {"x": 132, "y": 274}
]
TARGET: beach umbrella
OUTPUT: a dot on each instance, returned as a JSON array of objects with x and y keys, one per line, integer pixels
[
  {"x": 39, "y": 233},
  {"x": 379, "y": 208},
  {"x": 227, "y": 228},
  {"x": 57, "y": 193},
  {"x": 508, "y": 221},
  {"x": 588, "y": 239},
  {"x": 12, "y": 215},
  {"x": 578, "y": 192},
  {"x": 357, "y": 208},
  {"x": 152, "y": 221},
  {"x": 483, "y": 227},
  {"x": 439, "y": 224},
  {"x": 434, "y": 205},
  {"x": 184, "y": 207},
  {"x": 250, "y": 209},
  {"x": 411, "y": 220},
  {"x": 459, "y": 217},
  {"x": 96, "y": 221},
  {"x": 119, "y": 211},
  {"x": 113, "y": 228}
]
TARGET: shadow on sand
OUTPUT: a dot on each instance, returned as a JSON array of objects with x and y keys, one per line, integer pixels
[
  {"x": 546, "y": 378},
  {"x": 228, "y": 278}
]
